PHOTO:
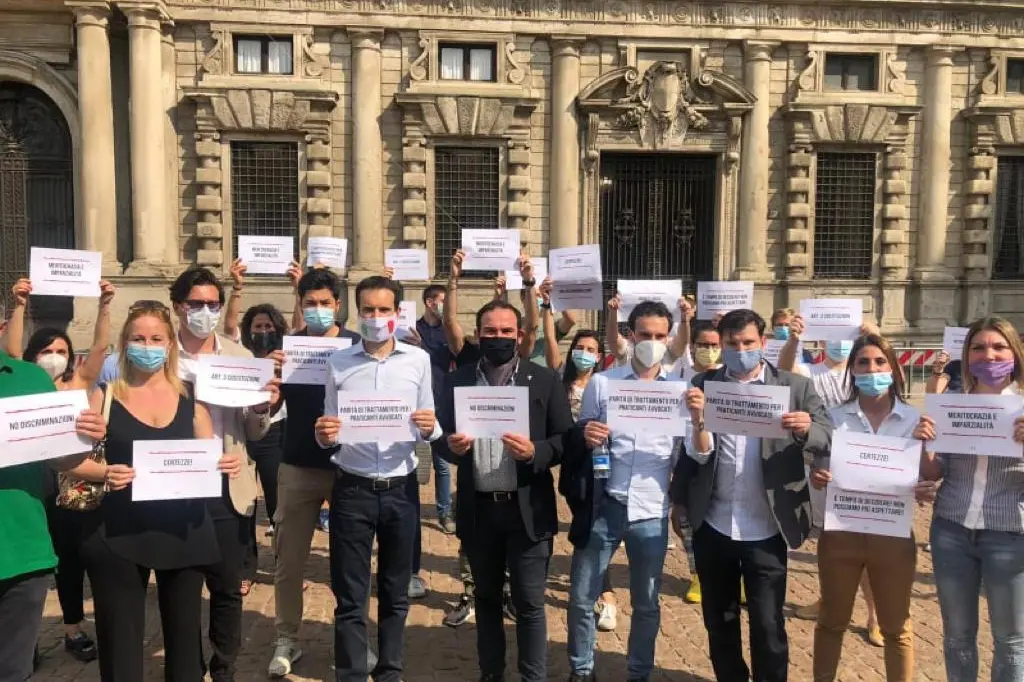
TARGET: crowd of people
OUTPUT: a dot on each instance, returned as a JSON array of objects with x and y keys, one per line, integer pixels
[{"x": 738, "y": 504}]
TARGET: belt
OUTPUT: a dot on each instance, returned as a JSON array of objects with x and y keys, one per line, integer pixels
[
  {"x": 499, "y": 496},
  {"x": 377, "y": 485}
]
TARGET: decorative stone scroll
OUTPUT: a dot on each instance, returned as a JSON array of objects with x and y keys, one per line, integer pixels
[
  {"x": 882, "y": 127},
  {"x": 217, "y": 62},
  {"x": 243, "y": 110}
]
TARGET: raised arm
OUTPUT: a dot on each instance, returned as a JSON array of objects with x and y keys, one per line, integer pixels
[
  {"x": 790, "y": 349},
  {"x": 298, "y": 321},
  {"x": 15, "y": 335},
  {"x": 681, "y": 341},
  {"x": 531, "y": 314},
  {"x": 86, "y": 375},
  {"x": 552, "y": 353},
  {"x": 611, "y": 327},
  {"x": 233, "y": 313},
  {"x": 453, "y": 333}
]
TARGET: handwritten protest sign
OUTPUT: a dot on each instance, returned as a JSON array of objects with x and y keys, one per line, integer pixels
[
  {"x": 831, "y": 319},
  {"x": 492, "y": 411},
  {"x": 65, "y": 272},
  {"x": 331, "y": 252},
  {"x": 372, "y": 417},
  {"x": 306, "y": 358},
  {"x": 647, "y": 407},
  {"x": 953, "y": 341},
  {"x": 407, "y": 264},
  {"x": 745, "y": 409},
  {"x": 634, "y": 291},
  {"x": 266, "y": 255},
  {"x": 975, "y": 424},
  {"x": 870, "y": 513},
  {"x": 233, "y": 382},
  {"x": 41, "y": 426},
  {"x": 714, "y": 298},
  {"x": 490, "y": 250},
  {"x": 866, "y": 462}
]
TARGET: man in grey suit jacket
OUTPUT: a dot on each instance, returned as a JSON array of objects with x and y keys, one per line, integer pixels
[{"x": 747, "y": 502}]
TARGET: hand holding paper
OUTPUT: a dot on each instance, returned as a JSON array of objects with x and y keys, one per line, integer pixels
[
  {"x": 230, "y": 464},
  {"x": 797, "y": 422},
  {"x": 425, "y": 420},
  {"x": 520, "y": 447},
  {"x": 459, "y": 443},
  {"x": 327, "y": 429}
]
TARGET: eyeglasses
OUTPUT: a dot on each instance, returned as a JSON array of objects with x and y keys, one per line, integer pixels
[{"x": 195, "y": 306}]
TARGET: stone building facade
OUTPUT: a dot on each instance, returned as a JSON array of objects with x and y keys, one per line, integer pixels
[{"x": 861, "y": 148}]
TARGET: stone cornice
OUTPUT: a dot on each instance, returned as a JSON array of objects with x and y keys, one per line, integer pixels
[{"x": 240, "y": 109}]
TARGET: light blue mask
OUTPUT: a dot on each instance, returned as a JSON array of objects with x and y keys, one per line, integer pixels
[
  {"x": 838, "y": 351},
  {"x": 781, "y": 333},
  {"x": 318, "y": 320},
  {"x": 742, "y": 361},
  {"x": 583, "y": 360},
  {"x": 146, "y": 358},
  {"x": 874, "y": 384}
]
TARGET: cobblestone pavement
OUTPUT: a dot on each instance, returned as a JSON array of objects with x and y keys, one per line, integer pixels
[{"x": 437, "y": 653}]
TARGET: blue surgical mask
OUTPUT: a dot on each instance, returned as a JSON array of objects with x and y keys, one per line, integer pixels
[
  {"x": 147, "y": 358},
  {"x": 742, "y": 361},
  {"x": 583, "y": 360},
  {"x": 874, "y": 384},
  {"x": 838, "y": 351},
  {"x": 781, "y": 333},
  {"x": 540, "y": 301},
  {"x": 318, "y": 320}
]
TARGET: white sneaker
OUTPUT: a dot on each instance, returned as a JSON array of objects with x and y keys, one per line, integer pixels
[
  {"x": 285, "y": 656},
  {"x": 606, "y": 622}
]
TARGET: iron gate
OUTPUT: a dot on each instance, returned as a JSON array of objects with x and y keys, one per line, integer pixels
[
  {"x": 36, "y": 190},
  {"x": 657, "y": 218}
]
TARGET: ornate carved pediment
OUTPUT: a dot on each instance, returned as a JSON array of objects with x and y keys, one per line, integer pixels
[
  {"x": 848, "y": 123},
  {"x": 306, "y": 111},
  {"x": 466, "y": 116}
]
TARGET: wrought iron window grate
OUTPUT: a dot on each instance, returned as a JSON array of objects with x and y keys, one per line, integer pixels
[
  {"x": 265, "y": 190},
  {"x": 844, "y": 215},
  {"x": 1009, "y": 238},
  {"x": 467, "y": 196}
]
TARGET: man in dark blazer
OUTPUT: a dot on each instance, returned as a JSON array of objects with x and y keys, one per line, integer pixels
[
  {"x": 747, "y": 502},
  {"x": 506, "y": 513}
]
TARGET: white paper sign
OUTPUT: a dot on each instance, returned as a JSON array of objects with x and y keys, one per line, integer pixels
[
  {"x": 514, "y": 280},
  {"x": 331, "y": 252},
  {"x": 953, "y": 341},
  {"x": 233, "y": 382},
  {"x": 37, "y": 427},
  {"x": 870, "y": 513},
  {"x": 65, "y": 272},
  {"x": 655, "y": 408},
  {"x": 176, "y": 469},
  {"x": 407, "y": 264},
  {"x": 877, "y": 464},
  {"x": 587, "y": 296},
  {"x": 831, "y": 319},
  {"x": 305, "y": 358},
  {"x": 575, "y": 264},
  {"x": 773, "y": 348},
  {"x": 745, "y": 409},
  {"x": 719, "y": 298},
  {"x": 266, "y": 255},
  {"x": 406, "y": 319},
  {"x": 974, "y": 424},
  {"x": 376, "y": 417},
  {"x": 490, "y": 249},
  {"x": 492, "y": 411},
  {"x": 634, "y": 291}
]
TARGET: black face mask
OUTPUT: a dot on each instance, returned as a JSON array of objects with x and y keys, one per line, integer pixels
[
  {"x": 264, "y": 343},
  {"x": 496, "y": 350}
]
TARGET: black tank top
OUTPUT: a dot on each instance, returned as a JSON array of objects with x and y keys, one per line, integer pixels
[{"x": 163, "y": 534}]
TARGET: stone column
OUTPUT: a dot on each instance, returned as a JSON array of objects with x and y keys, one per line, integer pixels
[
  {"x": 168, "y": 56},
  {"x": 564, "y": 220},
  {"x": 367, "y": 192},
  {"x": 146, "y": 123},
  {"x": 96, "y": 115},
  {"x": 752, "y": 227}
]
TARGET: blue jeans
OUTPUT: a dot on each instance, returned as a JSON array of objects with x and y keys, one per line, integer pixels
[
  {"x": 965, "y": 560},
  {"x": 442, "y": 486},
  {"x": 646, "y": 543}
]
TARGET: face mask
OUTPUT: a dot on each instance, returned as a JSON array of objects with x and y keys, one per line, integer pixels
[
  {"x": 377, "y": 329},
  {"x": 781, "y": 333},
  {"x": 992, "y": 373},
  {"x": 319, "y": 320},
  {"x": 540, "y": 301},
  {"x": 583, "y": 360},
  {"x": 202, "y": 322},
  {"x": 497, "y": 350},
  {"x": 264, "y": 343},
  {"x": 148, "y": 358},
  {"x": 707, "y": 357},
  {"x": 649, "y": 353},
  {"x": 53, "y": 364},
  {"x": 838, "y": 351},
  {"x": 874, "y": 384},
  {"x": 743, "y": 361}
]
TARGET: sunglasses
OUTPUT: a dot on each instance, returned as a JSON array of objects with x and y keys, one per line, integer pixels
[{"x": 196, "y": 306}]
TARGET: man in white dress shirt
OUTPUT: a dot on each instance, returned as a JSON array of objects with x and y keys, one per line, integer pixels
[{"x": 370, "y": 499}]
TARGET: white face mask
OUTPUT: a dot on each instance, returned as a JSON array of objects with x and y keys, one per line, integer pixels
[
  {"x": 202, "y": 322},
  {"x": 649, "y": 353},
  {"x": 53, "y": 364},
  {"x": 377, "y": 329}
]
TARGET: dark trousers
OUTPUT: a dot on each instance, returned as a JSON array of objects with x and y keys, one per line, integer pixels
[
  {"x": 500, "y": 540},
  {"x": 223, "y": 580},
  {"x": 358, "y": 515},
  {"x": 267, "y": 453},
  {"x": 66, "y": 532},
  {"x": 119, "y": 595},
  {"x": 721, "y": 564},
  {"x": 412, "y": 488},
  {"x": 21, "y": 617}
]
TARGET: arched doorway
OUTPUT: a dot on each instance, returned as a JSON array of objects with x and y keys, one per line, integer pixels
[{"x": 36, "y": 190}]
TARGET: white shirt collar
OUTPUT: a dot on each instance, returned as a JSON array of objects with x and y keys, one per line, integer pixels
[
  {"x": 186, "y": 354},
  {"x": 760, "y": 376},
  {"x": 900, "y": 410}
]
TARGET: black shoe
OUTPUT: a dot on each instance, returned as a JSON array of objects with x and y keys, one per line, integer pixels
[
  {"x": 461, "y": 614},
  {"x": 81, "y": 647},
  {"x": 576, "y": 677},
  {"x": 508, "y": 608},
  {"x": 447, "y": 524}
]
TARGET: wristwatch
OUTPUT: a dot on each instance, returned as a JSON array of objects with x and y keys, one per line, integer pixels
[
  {"x": 527, "y": 283},
  {"x": 545, "y": 306}
]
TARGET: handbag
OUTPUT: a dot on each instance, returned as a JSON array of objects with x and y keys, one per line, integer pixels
[{"x": 76, "y": 494}]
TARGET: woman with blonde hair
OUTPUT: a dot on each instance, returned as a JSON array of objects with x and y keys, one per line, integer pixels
[
  {"x": 978, "y": 527},
  {"x": 126, "y": 540},
  {"x": 875, "y": 406}
]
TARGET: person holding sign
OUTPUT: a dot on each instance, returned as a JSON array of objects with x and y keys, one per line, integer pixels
[
  {"x": 746, "y": 499},
  {"x": 370, "y": 497},
  {"x": 630, "y": 504},
  {"x": 128, "y": 540},
  {"x": 977, "y": 533},
  {"x": 875, "y": 407},
  {"x": 506, "y": 515}
]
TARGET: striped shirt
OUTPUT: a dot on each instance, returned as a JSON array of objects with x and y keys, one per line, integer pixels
[{"x": 982, "y": 492}]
